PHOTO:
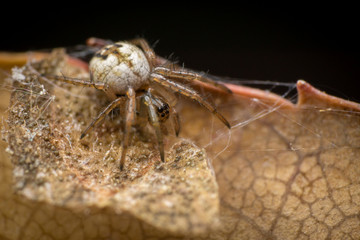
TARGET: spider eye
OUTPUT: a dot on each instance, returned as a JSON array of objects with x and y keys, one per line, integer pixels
[{"x": 163, "y": 111}]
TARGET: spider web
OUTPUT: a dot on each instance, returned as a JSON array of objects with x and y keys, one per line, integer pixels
[{"x": 246, "y": 117}]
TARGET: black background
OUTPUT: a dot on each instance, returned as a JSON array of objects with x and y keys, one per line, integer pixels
[{"x": 318, "y": 45}]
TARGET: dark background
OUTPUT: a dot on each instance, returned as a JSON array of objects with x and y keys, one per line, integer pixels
[{"x": 320, "y": 46}]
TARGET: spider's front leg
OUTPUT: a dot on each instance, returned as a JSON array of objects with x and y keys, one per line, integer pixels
[
  {"x": 101, "y": 116},
  {"x": 129, "y": 121},
  {"x": 155, "y": 122},
  {"x": 190, "y": 93},
  {"x": 144, "y": 45},
  {"x": 75, "y": 81},
  {"x": 98, "y": 42},
  {"x": 175, "y": 120},
  {"x": 189, "y": 76}
]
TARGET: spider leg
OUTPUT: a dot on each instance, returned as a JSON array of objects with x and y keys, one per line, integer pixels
[
  {"x": 189, "y": 76},
  {"x": 159, "y": 101},
  {"x": 154, "y": 119},
  {"x": 101, "y": 116},
  {"x": 175, "y": 120},
  {"x": 190, "y": 93},
  {"x": 149, "y": 52},
  {"x": 109, "y": 93},
  {"x": 76, "y": 81},
  {"x": 97, "y": 42},
  {"x": 164, "y": 93},
  {"x": 129, "y": 121}
]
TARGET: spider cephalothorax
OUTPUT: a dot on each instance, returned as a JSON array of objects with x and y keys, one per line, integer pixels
[{"x": 130, "y": 70}]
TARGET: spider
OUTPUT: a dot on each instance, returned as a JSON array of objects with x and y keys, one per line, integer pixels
[{"x": 131, "y": 71}]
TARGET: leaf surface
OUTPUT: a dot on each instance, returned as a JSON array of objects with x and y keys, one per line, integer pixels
[{"x": 283, "y": 171}]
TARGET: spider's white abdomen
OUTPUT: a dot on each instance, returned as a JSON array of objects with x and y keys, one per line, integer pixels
[{"x": 120, "y": 65}]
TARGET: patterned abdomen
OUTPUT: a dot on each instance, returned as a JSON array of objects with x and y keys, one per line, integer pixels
[{"x": 119, "y": 66}]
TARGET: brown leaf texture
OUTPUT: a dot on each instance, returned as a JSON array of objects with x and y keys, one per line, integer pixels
[{"x": 283, "y": 171}]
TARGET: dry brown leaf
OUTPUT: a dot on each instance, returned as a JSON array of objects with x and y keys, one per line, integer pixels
[
  {"x": 284, "y": 171},
  {"x": 291, "y": 172}
]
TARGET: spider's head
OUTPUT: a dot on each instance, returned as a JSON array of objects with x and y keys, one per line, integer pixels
[
  {"x": 162, "y": 108},
  {"x": 163, "y": 112}
]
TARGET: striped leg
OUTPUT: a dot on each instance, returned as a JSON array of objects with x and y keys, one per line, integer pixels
[
  {"x": 101, "y": 116},
  {"x": 76, "y": 81},
  {"x": 149, "y": 52},
  {"x": 189, "y": 76},
  {"x": 129, "y": 121},
  {"x": 190, "y": 93},
  {"x": 154, "y": 119},
  {"x": 175, "y": 121}
]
